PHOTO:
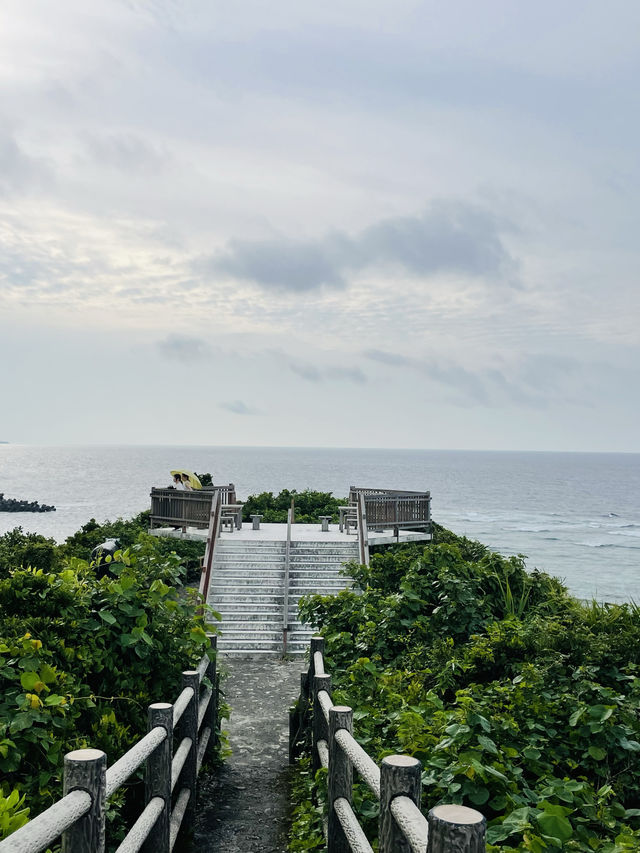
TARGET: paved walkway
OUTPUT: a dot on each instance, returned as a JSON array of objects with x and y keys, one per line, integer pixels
[{"x": 243, "y": 807}]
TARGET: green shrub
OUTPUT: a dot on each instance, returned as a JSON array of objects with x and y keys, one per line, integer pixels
[
  {"x": 82, "y": 656},
  {"x": 309, "y": 506},
  {"x": 517, "y": 699}
]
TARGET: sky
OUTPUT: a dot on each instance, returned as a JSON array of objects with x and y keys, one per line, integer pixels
[{"x": 348, "y": 224}]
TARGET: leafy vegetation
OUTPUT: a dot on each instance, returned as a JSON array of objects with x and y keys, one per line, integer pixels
[
  {"x": 309, "y": 506},
  {"x": 518, "y": 699},
  {"x": 83, "y": 655}
]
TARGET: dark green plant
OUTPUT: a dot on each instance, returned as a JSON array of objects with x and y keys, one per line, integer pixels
[
  {"x": 518, "y": 699},
  {"x": 309, "y": 506}
]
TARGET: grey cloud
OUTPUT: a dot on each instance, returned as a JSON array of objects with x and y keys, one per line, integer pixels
[
  {"x": 351, "y": 374},
  {"x": 449, "y": 237},
  {"x": 305, "y": 371},
  {"x": 184, "y": 348},
  {"x": 393, "y": 359},
  {"x": 280, "y": 265},
  {"x": 238, "y": 407},
  {"x": 126, "y": 152},
  {"x": 18, "y": 170},
  {"x": 311, "y": 373}
]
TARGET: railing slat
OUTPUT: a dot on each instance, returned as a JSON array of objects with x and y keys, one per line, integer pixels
[
  {"x": 324, "y": 700},
  {"x": 205, "y": 734},
  {"x": 352, "y": 829},
  {"x": 179, "y": 759},
  {"x": 124, "y": 767},
  {"x": 181, "y": 704},
  {"x": 140, "y": 830},
  {"x": 412, "y": 823},
  {"x": 177, "y": 815},
  {"x": 363, "y": 763},
  {"x": 49, "y": 825},
  {"x": 205, "y": 698},
  {"x": 323, "y": 753}
]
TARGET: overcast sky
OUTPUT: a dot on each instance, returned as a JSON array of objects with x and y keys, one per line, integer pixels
[{"x": 349, "y": 223}]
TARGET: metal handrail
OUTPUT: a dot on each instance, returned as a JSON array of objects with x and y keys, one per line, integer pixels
[{"x": 287, "y": 567}]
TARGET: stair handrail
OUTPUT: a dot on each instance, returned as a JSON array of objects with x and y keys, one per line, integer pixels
[
  {"x": 363, "y": 532},
  {"x": 287, "y": 562},
  {"x": 212, "y": 536}
]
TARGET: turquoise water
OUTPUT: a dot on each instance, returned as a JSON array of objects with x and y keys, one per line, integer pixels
[{"x": 575, "y": 515}]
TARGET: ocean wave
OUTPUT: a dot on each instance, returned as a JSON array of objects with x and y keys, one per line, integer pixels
[{"x": 607, "y": 545}]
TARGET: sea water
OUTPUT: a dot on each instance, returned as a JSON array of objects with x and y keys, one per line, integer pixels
[{"x": 575, "y": 515}]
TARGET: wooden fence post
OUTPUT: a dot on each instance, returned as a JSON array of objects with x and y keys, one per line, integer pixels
[
  {"x": 317, "y": 645},
  {"x": 456, "y": 828},
  {"x": 188, "y": 727},
  {"x": 399, "y": 776},
  {"x": 211, "y": 715},
  {"x": 86, "y": 770},
  {"x": 158, "y": 776},
  {"x": 340, "y": 781},
  {"x": 320, "y": 727},
  {"x": 298, "y": 716}
]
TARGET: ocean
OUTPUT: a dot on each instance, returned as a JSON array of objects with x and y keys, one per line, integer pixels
[{"x": 574, "y": 515}]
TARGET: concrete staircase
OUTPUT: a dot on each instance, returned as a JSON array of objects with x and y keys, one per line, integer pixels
[{"x": 247, "y": 589}]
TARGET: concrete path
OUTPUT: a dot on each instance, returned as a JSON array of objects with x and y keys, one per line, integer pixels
[{"x": 243, "y": 807}]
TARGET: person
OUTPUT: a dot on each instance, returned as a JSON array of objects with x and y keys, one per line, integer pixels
[
  {"x": 186, "y": 484},
  {"x": 177, "y": 483}
]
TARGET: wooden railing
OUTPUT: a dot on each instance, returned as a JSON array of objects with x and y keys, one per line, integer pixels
[
  {"x": 396, "y": 783},
  {"x": 215, "y": 514},
  {"x": 176, "y": 508},
  {"x": 191, "y": 723},
  {"x": 363, "y": 530},
  {"x": 394, "y": 509}
]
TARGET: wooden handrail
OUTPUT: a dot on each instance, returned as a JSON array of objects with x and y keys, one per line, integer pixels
[
  {"x": 363, "y": 531},
  {"x": 79, "y": 816},
  {"x": 212, "y": 537},
  {"x": 395, "y": 783}
]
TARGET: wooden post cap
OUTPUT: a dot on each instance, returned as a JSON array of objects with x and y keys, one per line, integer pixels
[
  {"x": 161, "y": 706},
  {"x": 460, "y": 815},
  {"x": 400, "y": 760},
  {"x": 84, "y": 755}
]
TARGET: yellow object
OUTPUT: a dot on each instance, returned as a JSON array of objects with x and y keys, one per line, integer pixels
[{"x": 194, "y": 482}]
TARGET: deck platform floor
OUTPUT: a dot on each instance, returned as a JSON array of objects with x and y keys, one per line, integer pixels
[{"x": 299, "y": 533}]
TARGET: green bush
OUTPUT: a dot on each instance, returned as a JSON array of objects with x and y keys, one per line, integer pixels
[
  {"x": 518, "y": 699},
  {"x": 309, "y": 506},
  {"x": 82, "y": 656}
]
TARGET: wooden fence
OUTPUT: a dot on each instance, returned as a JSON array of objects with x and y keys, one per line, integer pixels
[
  {"x": 391, "y": 508},
  {"x": 175, "y": 508},
  {"x": 190, "y": 723},
  {"x": 396, "y": 783}
]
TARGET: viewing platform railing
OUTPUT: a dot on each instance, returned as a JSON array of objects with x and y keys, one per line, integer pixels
[
  {"x": 191, "y": 723},
  {"x": 393, "y": 509},
  {"x": 396, "y": 783},
  {"x": 176, "y": 508}
]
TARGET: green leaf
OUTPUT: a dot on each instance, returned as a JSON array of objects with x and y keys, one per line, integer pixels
[
  {"x": 107, "y": 617},
  {"x": 597, "y": 753},
  {"x": 487, "y": 744},
  {"x": 29, "y": 680},
  {"x": 573, "y": 719},
  {"x": 479, "y": 797},
  {"x": 555, "y": 826},
  {"x": 47, "y": 674}
]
